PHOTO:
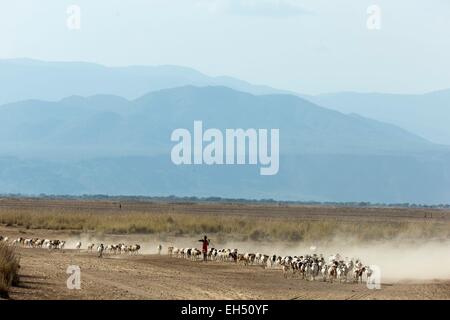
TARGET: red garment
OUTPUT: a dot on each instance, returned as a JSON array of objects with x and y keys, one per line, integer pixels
[{"x": 205, "y": 245}]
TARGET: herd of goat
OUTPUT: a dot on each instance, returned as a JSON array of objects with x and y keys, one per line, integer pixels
[
  {"x": 309, "y": 266},
  {"x": 60, "y": 244}
]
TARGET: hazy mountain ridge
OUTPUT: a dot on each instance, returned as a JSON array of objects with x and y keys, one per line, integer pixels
[
  {"x": 109, "y": 145},
  {"x": 84, "y": 128},
  {"x": 146, "y": 123},
  {"x": 427, "y": 115},
  {"x": 23, "y": 79}
]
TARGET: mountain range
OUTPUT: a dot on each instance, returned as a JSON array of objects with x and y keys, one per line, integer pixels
[
  {"x": 78, "y": 128},
  {"x": 426, "y": 115},
  {"x": 22, "y": 79}
]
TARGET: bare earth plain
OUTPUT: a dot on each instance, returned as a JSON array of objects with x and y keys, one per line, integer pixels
[{"x": 152, "y": 276}]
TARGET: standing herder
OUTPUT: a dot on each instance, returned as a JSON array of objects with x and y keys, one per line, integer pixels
[{"x": 205, "y": 241}]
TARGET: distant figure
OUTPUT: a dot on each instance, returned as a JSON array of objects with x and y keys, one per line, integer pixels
[
  {"x": 100, "y": 250},
  {"x": 120, "y": 206},
  {"x": 205, "y": 241},
  {"x": 159, "y": 248}
]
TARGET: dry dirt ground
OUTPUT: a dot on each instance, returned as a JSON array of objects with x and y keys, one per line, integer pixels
[{"x": 152, "y": 276}]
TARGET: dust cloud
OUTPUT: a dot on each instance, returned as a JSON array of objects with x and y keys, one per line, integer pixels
[{"x": 399, "y": 260}]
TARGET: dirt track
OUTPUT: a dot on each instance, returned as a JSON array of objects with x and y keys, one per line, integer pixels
[{"x": 43, "y": 275}]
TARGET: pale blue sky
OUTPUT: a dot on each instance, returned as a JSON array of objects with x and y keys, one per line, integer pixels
[{"x": 309, "y": 46}]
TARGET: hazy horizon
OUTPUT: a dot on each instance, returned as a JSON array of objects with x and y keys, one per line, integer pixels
[
  {"x": 224, "y": 75},
  {"x": 308, "y": 47}
]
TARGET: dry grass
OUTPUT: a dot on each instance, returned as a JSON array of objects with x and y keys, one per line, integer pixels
[
  {"x": 255, "y": 227},
  {"x": 9, "y": 268}
]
